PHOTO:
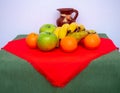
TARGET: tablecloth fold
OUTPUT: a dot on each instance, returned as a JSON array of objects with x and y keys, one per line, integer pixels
[{"x": 56, "y": 66}]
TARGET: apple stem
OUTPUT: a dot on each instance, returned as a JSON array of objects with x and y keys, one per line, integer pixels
[{"x": 48, "y": 26}]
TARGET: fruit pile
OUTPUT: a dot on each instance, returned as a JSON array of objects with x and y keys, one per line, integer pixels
[{"x": 67, "y": 37}]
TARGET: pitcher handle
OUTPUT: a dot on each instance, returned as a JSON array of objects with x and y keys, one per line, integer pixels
[{"x": 76, "y": 14}]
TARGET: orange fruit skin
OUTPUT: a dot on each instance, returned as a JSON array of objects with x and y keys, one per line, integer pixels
[
  {"x": 31, "y": 40},
  {"x": 92, "y": 41},
  {"x": 68, "y": 44}
]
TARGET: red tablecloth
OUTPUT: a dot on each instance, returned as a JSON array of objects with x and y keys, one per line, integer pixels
[{"x": 57, "y": 66}]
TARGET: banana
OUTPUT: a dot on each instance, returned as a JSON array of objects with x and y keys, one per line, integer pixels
[
  {"x": 56, "y": 32},
  {"x": 63, "y": 31},
  {"x": 81, "y": 27},
  {"x": 78, "y": 35},
  {"x": 73, "y": 26},
  {"x": 91, "y": 31}
]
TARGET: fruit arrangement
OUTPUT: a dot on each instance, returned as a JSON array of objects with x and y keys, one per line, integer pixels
[{"x": 66, "y": 37}]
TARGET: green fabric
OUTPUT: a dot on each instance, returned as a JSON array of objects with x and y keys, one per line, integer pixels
[{"x": 101, "y": 76}]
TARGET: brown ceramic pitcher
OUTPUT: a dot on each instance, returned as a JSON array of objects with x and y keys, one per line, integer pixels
[{"x": 65, "y": 16}]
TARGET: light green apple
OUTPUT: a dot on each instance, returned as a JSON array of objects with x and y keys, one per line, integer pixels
[
  {"x": 47, "y": 28},
  {"x": 47, "y": 41}
]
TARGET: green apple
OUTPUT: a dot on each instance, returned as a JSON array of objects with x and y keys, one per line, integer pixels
[
  {"x": 47, "y": 41},
  {"x": 47, "y": 28}
]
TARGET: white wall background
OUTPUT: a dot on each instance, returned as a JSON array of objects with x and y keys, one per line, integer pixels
[{"x": 25, "y": 16}]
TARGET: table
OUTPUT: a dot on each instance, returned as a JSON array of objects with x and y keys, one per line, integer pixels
[{"x": 101, "y": 76}]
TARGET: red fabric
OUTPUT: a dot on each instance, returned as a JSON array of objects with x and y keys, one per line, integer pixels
[{"x": 57, "y": 66}]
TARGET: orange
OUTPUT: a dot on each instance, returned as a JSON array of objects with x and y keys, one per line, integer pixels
[
  {"x": 31, "y": 40},
  {"x": 91, "y": 41},
  {"x": 68, "y": 44}
]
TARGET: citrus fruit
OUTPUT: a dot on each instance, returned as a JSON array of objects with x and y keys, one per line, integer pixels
[
  {"x": 91, "y": 41},
  {"x": 68, "y": 44},
  {"x": 31, "y": 40}
]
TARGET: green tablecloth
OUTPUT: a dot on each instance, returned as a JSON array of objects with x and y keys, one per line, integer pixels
[{"x": 101, "y": 76}]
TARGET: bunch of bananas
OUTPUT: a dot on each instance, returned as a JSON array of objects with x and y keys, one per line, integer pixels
[{"x": 74, "y": 29}]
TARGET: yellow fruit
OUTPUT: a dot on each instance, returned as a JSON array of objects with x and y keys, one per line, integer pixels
[
  {"x": 63, "y": 31},
  {"x": 81, "y": 27},
  {"x": 56, "y": 32},
  {"x": 78, "y": 35},
  {"x": 91, "y": 31},
  {"x": 73, "y": 26}
]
